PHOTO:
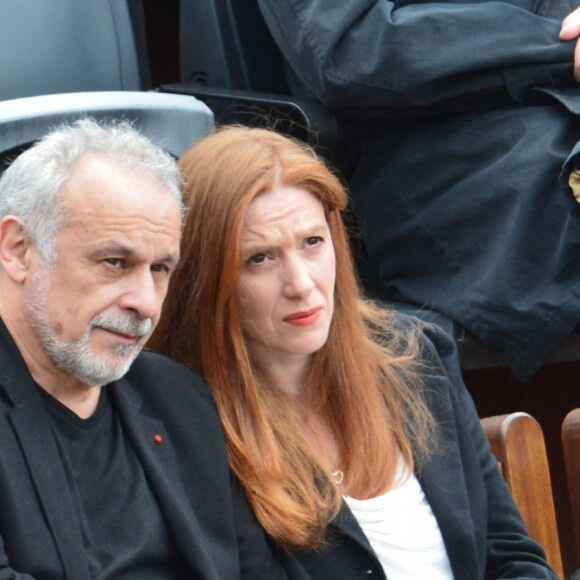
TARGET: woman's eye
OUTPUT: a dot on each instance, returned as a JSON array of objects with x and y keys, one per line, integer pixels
[
  {"x": 257, "y": 259},
  {"x": 314, "y": 240}
]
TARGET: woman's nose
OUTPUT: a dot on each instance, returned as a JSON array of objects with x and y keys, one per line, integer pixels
[{"x": 298, "y": 281}]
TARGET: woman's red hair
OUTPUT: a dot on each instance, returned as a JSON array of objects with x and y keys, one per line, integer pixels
[{"x": 362, "y": 381}]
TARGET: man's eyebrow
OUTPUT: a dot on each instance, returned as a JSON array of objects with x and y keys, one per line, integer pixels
[
  {"x": 115, "y": 249},
  {"x": 172, "y": 259}
]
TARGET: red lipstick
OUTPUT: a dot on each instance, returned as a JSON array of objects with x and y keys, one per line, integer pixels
[{"x": 304, "y": 318}]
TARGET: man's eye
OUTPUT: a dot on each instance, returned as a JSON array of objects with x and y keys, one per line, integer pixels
[
  {"x": 113, "y": 261},
  {"x": 162, "y": 268}
]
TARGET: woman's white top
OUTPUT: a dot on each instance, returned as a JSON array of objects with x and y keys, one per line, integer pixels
[{"x": 403, "y": 531}]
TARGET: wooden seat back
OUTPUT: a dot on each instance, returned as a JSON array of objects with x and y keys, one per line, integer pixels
[
  {"x": 571, "y": 446},
  {"x": 517, "y": 441}
]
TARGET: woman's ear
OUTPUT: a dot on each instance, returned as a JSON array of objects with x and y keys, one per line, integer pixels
[{"x": 15, "y": 244}]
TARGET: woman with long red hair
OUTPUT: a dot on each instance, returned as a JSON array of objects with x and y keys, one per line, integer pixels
[{"x": 347, "y": 425}]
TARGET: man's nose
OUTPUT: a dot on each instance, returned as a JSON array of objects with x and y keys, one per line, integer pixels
[{"x": 140, "y": 294}]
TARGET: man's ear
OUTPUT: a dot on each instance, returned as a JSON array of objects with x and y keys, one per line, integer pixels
[{"x": 15, "y": 244}]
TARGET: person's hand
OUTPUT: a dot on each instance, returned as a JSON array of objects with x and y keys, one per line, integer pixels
[{"x": 570, "y": 30}]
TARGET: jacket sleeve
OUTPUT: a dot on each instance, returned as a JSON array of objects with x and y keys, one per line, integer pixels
[
  {"x": 6, "y": 572},
  {"x": 508, "y": 550},
  {"x": 370, "y": 53}
]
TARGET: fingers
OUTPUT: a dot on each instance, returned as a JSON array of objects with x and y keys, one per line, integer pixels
[
  {"x": 577, "y": 61},
  {"x": 570, "y": 28}
]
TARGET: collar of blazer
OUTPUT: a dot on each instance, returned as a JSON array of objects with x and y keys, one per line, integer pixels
[
  {"x": 445, "y": 491},
  {"x": 30, "y": 421}
]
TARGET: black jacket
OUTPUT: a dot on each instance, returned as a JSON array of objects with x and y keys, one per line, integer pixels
[
  {"x": 456, "y": 120},
  {"x": 206, "y": 511},
  {"x": 482, "y": 529}
]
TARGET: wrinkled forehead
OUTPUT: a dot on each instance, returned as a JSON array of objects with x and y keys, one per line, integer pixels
[
  {"x": 105, "y": 207},
  {"x": 97, "y": 181},
  {"x": 131, "y": 168}
]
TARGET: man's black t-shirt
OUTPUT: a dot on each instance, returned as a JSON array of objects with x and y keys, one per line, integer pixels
[{"x": 122, "y": 526}]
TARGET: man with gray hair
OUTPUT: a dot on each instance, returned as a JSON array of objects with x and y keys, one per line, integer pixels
[{"x": 112, "y": 461}]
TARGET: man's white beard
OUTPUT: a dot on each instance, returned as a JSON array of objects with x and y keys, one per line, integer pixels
[{"x": 77, "y": 356}]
